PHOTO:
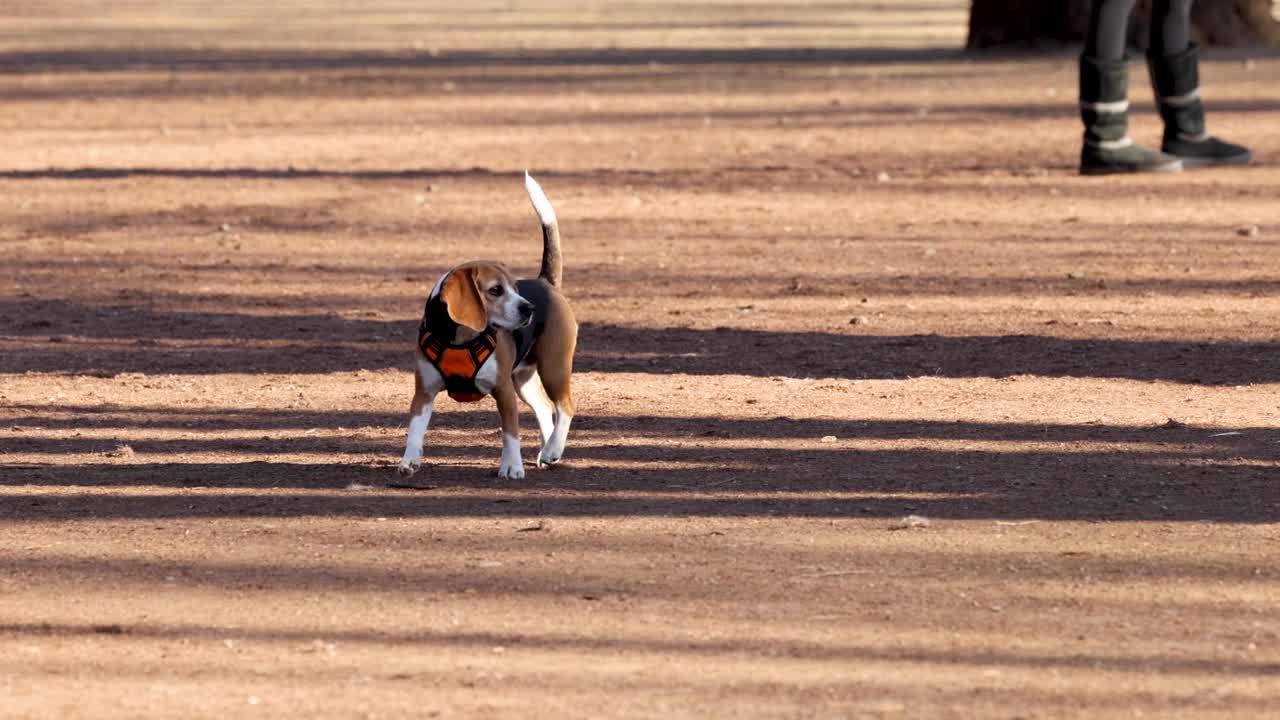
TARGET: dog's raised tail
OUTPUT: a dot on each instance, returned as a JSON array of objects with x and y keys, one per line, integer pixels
[{"x": 550, "y": 232}]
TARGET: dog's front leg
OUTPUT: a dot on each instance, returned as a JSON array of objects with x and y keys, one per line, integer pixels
[
  {"x": 427, "y": 384},
  {"x": 512, "y": 467},
  {"x": 419, "y": 418}
]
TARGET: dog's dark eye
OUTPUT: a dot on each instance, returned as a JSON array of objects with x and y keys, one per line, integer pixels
[{"x": 496, "y": 291}]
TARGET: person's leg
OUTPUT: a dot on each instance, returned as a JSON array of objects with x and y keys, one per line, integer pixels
[
  {"x": 1108, "y": 28},
  {"x": 1175, "y": 75},
  {"x": 1170, "y": 26},
  {"x": 1104, "y": 99}
]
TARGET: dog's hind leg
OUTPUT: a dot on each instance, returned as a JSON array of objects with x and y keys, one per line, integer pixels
[
  {"x": 529, "y": 386},
  {"x": 556, "y": 373}
]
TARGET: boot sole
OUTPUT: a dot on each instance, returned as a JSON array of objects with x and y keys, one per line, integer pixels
[
  {"x": 1166, "y": 169},
  {"x": 1198, "y": 162}
]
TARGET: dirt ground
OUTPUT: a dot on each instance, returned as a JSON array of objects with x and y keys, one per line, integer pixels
[{"x": 831, "y": 274}]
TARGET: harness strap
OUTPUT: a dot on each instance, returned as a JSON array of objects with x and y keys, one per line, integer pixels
[{"x": 459, "y": 364}]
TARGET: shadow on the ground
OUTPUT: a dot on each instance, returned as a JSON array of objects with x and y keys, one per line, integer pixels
[
  {"x": 209, "y": 60},
  {"x": 64, "y": 337},
  {"x": 834, "y": 175},
  {"x": 413, "y": 83},
  {"x": 20, "y": 62},
  {"x": 767, "y": 647},
  {"x": 657, "y": 466},
  {"x": 812, "y": 354}
]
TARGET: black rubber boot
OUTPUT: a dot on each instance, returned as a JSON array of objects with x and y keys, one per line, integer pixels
[
  {"x": 1104, "y": 108},
  {"x": 1176, "y": 80}
]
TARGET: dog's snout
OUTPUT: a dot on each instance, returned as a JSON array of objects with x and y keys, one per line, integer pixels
[{"x": 526, "y": 309}]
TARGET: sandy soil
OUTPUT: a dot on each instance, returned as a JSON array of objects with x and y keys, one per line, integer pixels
[{"x": 830, "y": 275}]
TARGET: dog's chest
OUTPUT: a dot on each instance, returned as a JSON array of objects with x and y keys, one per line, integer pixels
[{"x": 487, "y": 375}]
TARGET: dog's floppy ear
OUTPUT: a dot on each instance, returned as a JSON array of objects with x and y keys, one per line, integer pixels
[{"x": 462, "y": 299}]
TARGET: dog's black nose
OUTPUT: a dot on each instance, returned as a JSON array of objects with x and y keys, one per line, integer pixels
[{"x": 526, "y": 309}]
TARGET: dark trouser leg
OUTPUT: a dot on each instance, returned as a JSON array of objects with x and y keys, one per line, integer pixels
[
  {"x": 1170, "y": 26},
  {"x": 1108, "y": 26},
  {"x": 1175, "y": 76}
]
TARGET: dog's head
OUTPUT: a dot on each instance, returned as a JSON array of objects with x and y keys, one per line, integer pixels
[{"x": 483, "y": 293}]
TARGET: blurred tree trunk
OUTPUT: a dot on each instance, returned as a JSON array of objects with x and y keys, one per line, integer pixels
[{"x": 1012, "y": 23}]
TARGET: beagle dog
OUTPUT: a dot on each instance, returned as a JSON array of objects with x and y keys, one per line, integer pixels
[{"x": 485, "y": 333}]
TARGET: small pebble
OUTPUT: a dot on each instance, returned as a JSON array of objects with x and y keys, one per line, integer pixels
[
  {"x": 120, "y": 451},
  {"x": 910, "y": 522}
]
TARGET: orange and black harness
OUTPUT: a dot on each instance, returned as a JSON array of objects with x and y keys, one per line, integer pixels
[{"x": 458, "y": 364}]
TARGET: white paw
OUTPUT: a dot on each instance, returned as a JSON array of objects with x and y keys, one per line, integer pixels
[
  {"x": 511, "y": 470},
  {"x": 408, "y": 467},
  {"x": 553, "y": 449},
  {"x": 549, "y": 456}
]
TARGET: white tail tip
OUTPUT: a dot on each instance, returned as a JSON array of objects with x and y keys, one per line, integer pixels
[{"x": 541, "y": 205}]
